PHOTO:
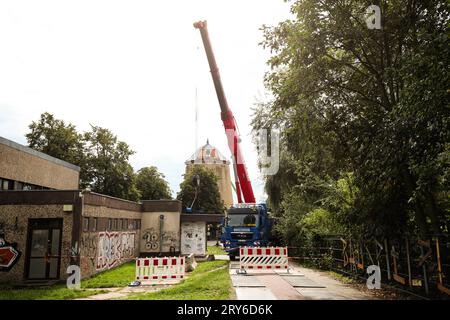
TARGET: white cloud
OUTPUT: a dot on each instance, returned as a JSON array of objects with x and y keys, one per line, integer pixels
[{"x": 133, "y": 67}]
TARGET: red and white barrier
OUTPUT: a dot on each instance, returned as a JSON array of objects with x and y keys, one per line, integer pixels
[
  {"x": 263, "y": 258},
  {"x": 160, "y": 270}
]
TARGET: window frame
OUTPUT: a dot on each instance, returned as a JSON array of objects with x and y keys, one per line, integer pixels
[
  {"x": 86, "y": 223},
  {"x": 94, "y": 224}
]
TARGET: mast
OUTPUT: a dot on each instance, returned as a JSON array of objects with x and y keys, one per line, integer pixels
[{"x": 242, "y": 181}]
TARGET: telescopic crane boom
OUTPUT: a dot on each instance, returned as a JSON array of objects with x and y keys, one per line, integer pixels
[{"x": 242, "y": 181}]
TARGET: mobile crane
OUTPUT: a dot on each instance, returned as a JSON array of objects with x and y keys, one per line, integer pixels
[{"x": 247, "y": 223}]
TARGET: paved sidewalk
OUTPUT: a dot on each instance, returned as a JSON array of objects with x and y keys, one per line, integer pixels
[
  {"x": 333, "y": 289},
  {"x": 299, "y": 284},
  {"x": 123, "y": 293}
]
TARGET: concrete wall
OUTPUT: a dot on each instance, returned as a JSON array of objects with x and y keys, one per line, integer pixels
[
  {"x": 14, "y": 224},
  {"x": 222, "y": 171},
  {"x": 107, "y": 247},
  {"x": 98, "y": 232},
  {"x": 152, "y": 241},
  {"x": 20, "y": 163},
  {"x": 94, "y": 247}
]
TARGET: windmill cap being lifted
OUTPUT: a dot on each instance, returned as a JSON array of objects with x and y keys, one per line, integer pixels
[{"x": 207, "y": 154}]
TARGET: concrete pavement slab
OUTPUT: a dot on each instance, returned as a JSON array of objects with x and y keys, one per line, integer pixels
[
  {"x": 254, "y": 294},
  {"x": 245, "y": 281},
  {"x": 301, "y": 281},
  {"x": 319, "y": 294},
  {"x": 279, "y": 287}
]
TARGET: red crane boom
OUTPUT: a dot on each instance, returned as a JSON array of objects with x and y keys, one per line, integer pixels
[{"x": 242, "y": 181}]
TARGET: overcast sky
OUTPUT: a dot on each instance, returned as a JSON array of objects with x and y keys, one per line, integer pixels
[{"x": 133, "y": 67}]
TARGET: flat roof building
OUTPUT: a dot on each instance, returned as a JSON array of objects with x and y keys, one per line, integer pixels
[
  {"x": 22, "y": 168},
  {"x": 48, "y": 224}
]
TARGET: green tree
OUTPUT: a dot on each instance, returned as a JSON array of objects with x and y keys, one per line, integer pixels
[
  {"x": 107, "y": 168},
  {"x": 373, "y": 103},
  {"x": 151, "y": 184},
  {"x": 57, "y": 139},
  {"x": 104, "y": 161},
  {"x": 208, "y": 197}
]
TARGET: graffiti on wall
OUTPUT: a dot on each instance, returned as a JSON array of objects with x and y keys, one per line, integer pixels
[
  {"x": 151, "y": 239},
  {"x": 169, "y": 239},
  {"x": 15, "y": 227},
  {"x": 89, "y": 243},
  {"x": 9, "y": 254},
  {"x": 113, "y": 247},
  {"x": 193, "y": 238}
]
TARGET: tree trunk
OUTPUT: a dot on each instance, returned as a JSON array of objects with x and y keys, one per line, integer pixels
[{"x": 432, "y": 212}]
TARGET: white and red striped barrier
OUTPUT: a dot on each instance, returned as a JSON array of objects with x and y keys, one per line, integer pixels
[
  {"x": 263, "y": 258},
  {"x": 160, "y": 270}
]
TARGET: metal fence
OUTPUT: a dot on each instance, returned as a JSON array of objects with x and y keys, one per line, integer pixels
[{"x": 419, "y": 266}]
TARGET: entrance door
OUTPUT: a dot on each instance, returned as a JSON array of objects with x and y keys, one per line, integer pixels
[{"x": 44, "y": 248}]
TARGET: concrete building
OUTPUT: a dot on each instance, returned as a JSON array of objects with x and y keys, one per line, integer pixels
[
  {"x": 52, "y": 229},
  {"x": 211, "y": 158},
  {"x": 22, "y": 168},
  {"x": 47, "y": 223}
]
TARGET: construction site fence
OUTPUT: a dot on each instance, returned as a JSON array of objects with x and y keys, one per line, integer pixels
[{"x": 420, "y": 266}]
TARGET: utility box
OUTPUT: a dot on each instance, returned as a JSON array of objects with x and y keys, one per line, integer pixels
[
  {"x": 193, "y": 238},
  {"x": 193, "y": 232}
]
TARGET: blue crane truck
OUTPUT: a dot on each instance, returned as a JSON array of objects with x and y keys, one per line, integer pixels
[{"x": 246, "y": 225}]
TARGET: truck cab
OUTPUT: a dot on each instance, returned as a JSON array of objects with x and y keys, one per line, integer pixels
[{"x": 245, "y": 225}]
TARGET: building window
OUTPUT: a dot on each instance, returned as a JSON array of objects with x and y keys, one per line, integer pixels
[
  {"x": 6, "y": 184},
  {"x": 109, "y": 224},
  {"x": 85, "y": 224},
  {"x": 125, "y": 224},
  {"x": 119, "y": 224},
  {"x": 94, "y": 224}
]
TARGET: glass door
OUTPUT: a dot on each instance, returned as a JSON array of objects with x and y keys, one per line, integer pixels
[{"x": 44, "y": 248}]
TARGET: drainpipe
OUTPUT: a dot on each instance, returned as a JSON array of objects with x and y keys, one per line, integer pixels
[{"x": 161, "y": 227}]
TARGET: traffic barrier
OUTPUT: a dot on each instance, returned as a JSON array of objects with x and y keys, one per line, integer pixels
[
  {"x": 263, "y": 258},
  {"x": 160, "y": 270}
]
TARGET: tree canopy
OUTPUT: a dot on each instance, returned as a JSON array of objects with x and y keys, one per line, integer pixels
[
  {"x": 107, "y": 164},
  {"x": 56, "y": 138},
  {"x": 103, "y": 159},
  {"x": 151, "y": 184},
  {"x": 364, "y": 116},
  {"x": 208, "y": 197}
]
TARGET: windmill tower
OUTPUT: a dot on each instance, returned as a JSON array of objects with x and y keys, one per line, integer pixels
[{"x": 210, "y": 157}]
